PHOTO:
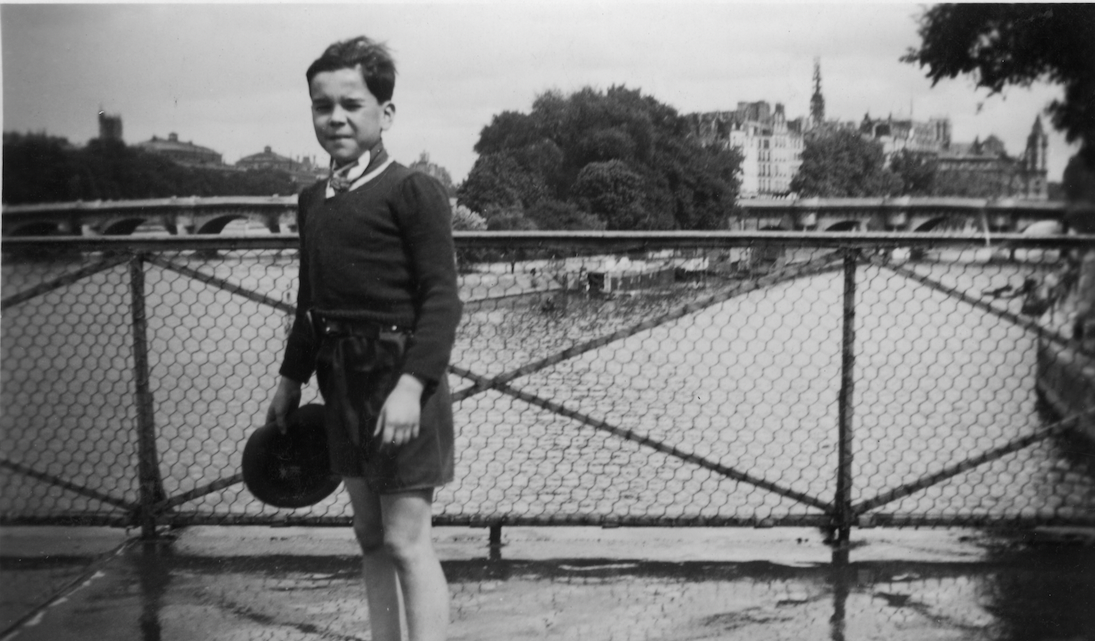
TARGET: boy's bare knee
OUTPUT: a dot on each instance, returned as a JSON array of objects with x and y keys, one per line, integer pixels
[
  {"x": 404, "y": 550},
  {"x": 369, "y": 537}
]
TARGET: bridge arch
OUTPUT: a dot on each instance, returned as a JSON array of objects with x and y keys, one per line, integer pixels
[
  {"x": 122, "y": 226},
  {"x": 931, "y": 224},
  {"x": 217, "y": 224},
  {"x": 844, "y": 225}
]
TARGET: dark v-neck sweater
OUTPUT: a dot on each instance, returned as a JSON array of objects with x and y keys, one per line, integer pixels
[{"x": 381, "y": 252}]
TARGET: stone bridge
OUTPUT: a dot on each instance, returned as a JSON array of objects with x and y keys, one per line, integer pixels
[
  {"x": 182, "y": 216},
  {"x": 970, "y": 215},
  {"x": 177, "y": 216}
]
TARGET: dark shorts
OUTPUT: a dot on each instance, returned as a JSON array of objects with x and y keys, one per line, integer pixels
[{"x": 356, "y": 373}]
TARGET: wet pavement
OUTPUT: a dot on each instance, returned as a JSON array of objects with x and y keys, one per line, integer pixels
[{"x": 295, "y": 583}]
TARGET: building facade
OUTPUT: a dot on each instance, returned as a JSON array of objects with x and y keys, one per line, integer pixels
[
  {"x": 770, "y": 145},
  {"x": 183, "y": 153},
  {"x": 110, "y": 126},
  {"x": 303, "y": 171},
  {"x": 933, "y": 136},
  {"x": 985, "y": 169}
]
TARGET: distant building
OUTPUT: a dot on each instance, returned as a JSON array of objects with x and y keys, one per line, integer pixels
[
  {"x": 933, "y": 136},
  {"x": 302, "y": 171},
  {"x": 771, "y": 148},
  {"x": 110, "y": 126},
  {"x": 987, "y": 165},
  {"x": 183, "y": 153},
  {"x": 770, "y": 145}
]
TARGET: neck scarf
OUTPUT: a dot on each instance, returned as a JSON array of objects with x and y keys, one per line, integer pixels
[{"x": 343, "y": 178}]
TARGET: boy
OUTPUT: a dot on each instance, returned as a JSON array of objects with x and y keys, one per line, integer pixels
[{"x": 377, "y": 311}]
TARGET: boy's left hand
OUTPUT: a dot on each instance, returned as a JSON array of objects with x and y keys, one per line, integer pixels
[{"x": 400, "y": 415}]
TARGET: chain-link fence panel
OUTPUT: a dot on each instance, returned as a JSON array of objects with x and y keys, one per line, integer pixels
[{"x": 734, "y": 379}]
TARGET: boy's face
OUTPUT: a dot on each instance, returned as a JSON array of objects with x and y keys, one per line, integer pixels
[{"x": 346, "y": 115}]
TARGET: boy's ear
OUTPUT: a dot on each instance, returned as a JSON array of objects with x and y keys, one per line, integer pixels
[{"x": 388, "y": 115}]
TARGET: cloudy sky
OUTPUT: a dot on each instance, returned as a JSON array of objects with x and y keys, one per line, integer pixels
[{"x": 231, "y": 76}]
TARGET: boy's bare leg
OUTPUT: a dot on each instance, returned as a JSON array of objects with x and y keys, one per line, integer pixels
[
  {"x": 381, "y": 583},
  {"x": 408, "y": 539}
]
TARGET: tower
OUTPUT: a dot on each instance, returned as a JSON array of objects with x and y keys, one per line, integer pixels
[
  {"x": 1036, "y": 147},
  {"x": 1033, "y": 166},
  {"x": 110, "y": 127},
  {"x": 817, "y": 101}
]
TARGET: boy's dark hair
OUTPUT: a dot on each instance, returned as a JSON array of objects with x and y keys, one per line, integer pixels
[{"x": 377, "y": 66}]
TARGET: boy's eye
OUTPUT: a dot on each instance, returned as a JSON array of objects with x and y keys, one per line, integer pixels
[{"x": 321, "y": 106}]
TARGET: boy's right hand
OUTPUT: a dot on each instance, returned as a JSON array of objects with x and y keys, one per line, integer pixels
[{"x": 286, "y": 399}]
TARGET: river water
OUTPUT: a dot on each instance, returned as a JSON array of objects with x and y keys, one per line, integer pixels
[{"x": 747, "y": 382}]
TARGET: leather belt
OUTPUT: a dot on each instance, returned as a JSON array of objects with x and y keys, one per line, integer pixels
[{"x": 334, "y": 327}]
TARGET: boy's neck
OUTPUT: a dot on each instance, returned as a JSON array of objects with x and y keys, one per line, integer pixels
[{"x": 369, "y": 155}]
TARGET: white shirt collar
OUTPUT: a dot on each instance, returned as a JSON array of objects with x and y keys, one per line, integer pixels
[{"x": 356, "y": 173}]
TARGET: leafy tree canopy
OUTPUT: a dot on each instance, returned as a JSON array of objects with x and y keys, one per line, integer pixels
[
  {"x": 916, "y": 171},
  {"x": 1078, "y": 182},
  {"x": 612, "y": 159},
  {"x": 464, "y": 219},
  {"x": 1016, "y": 44},
  {"x": 843, "y": 164}
]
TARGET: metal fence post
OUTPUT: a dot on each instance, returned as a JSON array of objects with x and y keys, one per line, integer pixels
[
  {"x": 843, "y": 501},
  {"x": 151, "y": 483}
]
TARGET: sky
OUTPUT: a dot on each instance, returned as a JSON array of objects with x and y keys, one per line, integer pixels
[{"x": 231, "y": 76}]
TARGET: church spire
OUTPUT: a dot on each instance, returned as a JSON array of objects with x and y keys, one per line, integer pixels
[{"x": 817, "y": 101}]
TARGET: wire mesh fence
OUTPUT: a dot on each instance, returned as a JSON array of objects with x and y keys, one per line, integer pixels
[{"x": 830, "y": 380}]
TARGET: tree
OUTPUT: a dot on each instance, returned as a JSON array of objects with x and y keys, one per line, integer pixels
[
  {"x": 1017, "y": 44},
  {"x": 1078, "y": 182},
  {"x": 510, "y": 218},
  {"x": 916, "y": 171},
  {"x": 497, "y": 179},
  {"x": 464, "y": 219},
  {"x": 613, "y": 193},
  {"x": 40, "y": 168},
  {"x": 595, "y": 159},
  {"x": 556, "y": 214},
  {"x": 842, "y": 163}
]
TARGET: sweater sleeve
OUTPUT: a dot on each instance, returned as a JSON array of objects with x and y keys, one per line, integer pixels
[
  {"x": 425, "y": 218},
  {"x": 299, "y": 361}
]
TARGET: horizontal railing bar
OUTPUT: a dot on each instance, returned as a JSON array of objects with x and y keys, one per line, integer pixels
[
  {"x": 562, "y": 240},
  {"x": 72, "y": 520},
  {"x": 809, "y": 268},
  {"x": 62, "y": 281},
  {"x": 1025, "y": 323},
  {"x": 197, "y": 492},
  {"x": 649, "y": 241},
  {"x": 186, "y": 518},
  {"x": 725, "y": 470},
  {"x": 221, "y": 283},
  {"x": 744, "y": 206},
  {"x": 876, "y": 520},
  {"x": 196, "y": 242},
  {"x": 1072, "y": 422},
  {"x": 72, "y": 487},
  {"x": 980, "y": 521}
]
